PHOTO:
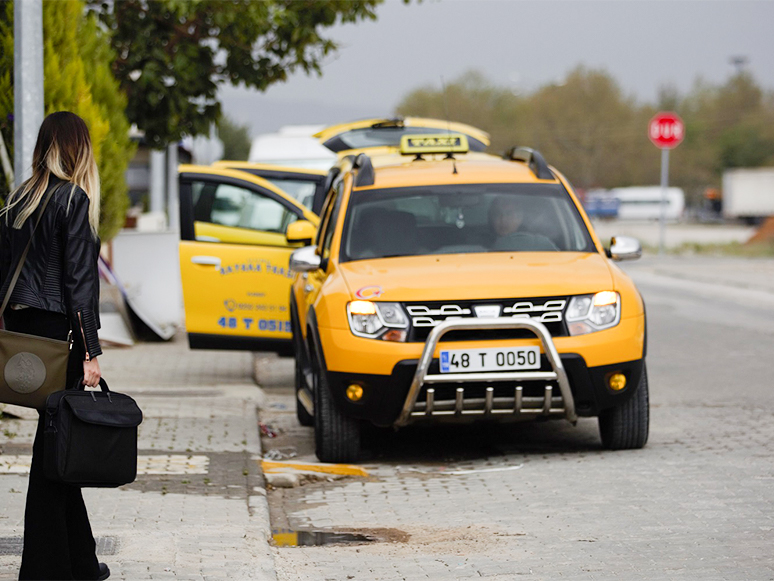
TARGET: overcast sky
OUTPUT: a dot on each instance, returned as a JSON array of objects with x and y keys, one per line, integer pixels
[{"x": 516, "y": 44}]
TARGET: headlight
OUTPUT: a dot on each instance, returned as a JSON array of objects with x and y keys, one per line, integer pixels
[
  {"x": 590, "y": 313},
  {"x": 377, "y": 320}
]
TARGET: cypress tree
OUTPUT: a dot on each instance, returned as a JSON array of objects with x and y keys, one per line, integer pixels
[{"x": 78, "y": 78}]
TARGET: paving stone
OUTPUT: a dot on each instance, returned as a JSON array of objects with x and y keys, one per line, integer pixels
[{"x": 193, "y": 512}]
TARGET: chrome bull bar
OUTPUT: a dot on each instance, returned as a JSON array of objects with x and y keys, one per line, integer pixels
[{"x": 486, "y": 407}]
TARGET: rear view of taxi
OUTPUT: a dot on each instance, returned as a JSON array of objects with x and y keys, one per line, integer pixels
[{"x": 452, "y": 288}]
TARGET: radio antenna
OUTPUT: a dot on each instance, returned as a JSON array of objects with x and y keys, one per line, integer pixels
[{"x": 450, "y": 155}]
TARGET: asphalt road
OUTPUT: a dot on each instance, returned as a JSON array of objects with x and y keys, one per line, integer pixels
[{"x": 543, "y": 499}]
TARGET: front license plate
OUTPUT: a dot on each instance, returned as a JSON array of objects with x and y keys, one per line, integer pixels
[{"x": 490, "y": 359}]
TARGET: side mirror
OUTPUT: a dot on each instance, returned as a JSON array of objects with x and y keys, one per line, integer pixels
[
  {"x": 305, "y": 259},
  {"x": 624, "y": 248},
  {"x": 300, "y": 232}
]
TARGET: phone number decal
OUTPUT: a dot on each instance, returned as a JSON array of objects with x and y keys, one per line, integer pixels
[{"x": 250, "y": 324}]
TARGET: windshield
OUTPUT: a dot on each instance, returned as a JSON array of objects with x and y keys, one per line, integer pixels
[
  {"x": 385, "y": 136},
  {"x": 453, "y": 219}
]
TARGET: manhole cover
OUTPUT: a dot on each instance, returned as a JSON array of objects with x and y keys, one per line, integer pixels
[{"x": 13, "y": 545}]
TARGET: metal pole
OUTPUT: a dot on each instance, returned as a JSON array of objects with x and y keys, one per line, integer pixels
[
  {"x": 664, "y": 185},
  {"x": 173, "y": 206},
  {"x": 158, "y": 161},
  {"x": 28, "y": 83}
]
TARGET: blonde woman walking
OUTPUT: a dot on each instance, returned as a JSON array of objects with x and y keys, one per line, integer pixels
[{"x": 56, "y": 296}]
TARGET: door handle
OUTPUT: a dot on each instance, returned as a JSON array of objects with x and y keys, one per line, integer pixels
[{"x": 206, "y": 261}]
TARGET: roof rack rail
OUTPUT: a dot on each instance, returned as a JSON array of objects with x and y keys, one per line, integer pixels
[
  {"x": 533, "y": 159},
  {"x": 394, "y": 122},
  {"x": 365, "y": 174}
]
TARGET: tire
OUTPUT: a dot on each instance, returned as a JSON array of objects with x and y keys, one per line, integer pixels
[
  {"x": 304, "y": 417},
  {"x": 336, "y": 436},
  {"x": 626, "y": 427}
]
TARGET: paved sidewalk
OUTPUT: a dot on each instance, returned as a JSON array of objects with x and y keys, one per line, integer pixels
[{"x": 198, "y": 508}]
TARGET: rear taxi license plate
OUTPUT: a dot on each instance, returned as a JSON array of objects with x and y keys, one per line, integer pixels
[{"x": 490, "y": 359}]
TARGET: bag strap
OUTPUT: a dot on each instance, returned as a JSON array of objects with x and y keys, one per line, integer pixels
[
  {"x": 78, "y": 385},
  {"x": 23, "y": 258}
]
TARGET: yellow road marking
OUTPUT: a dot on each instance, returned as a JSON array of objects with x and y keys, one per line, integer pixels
[{"x": 274, "y": 466}]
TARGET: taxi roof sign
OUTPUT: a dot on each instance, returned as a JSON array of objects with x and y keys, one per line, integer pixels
[{"x": 434, "y": 143}]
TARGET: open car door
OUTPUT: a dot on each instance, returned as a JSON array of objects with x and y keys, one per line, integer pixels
[
  {"x": 234, "y": 259},
  {"x": 306, "y": 186}
]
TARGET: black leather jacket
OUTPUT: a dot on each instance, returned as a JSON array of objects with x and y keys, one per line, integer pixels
[{"x": 60, "y": 273}]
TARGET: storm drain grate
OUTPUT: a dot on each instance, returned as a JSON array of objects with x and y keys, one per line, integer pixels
[{"x": 13, "y": 545}]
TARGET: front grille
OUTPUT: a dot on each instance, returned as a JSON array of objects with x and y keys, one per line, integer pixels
[{"x": 427, "y": 315}]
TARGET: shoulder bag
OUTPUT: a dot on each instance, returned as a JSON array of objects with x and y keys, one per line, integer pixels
[
  {"x": 90, "y": 437},
  {"x": 32, "y": 367}
]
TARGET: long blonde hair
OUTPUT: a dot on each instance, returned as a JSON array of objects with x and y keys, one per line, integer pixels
[{"x": 63, "y": 149}]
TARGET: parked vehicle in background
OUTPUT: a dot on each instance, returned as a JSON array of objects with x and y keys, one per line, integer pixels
[
  {"x": 292, "y": 145},
  {"x": 748, "y": 194},
  {"x": 377, "y": 136},
  {"x": 601, "y": 204},
  {"x": 644, "y": 203}
]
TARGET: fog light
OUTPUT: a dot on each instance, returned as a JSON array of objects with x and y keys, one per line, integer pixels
[
  {"x": 617, "y": 381},
  {"x": 354, "y": 392},
  {"x": 394, "y": 335}
]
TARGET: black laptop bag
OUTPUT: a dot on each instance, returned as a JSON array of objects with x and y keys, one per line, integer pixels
[{"x": 90, "y": 437}]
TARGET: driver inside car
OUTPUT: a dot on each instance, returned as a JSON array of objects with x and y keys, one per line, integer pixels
[{"x": 506, "y": 217}]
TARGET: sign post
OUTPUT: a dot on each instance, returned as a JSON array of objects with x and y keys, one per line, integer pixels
[{"x": 666, "y": 130}]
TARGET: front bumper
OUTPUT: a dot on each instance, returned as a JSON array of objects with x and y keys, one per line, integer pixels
[
  {"x": 414, "y": 391},
  {"x": 414, "y": 410}
]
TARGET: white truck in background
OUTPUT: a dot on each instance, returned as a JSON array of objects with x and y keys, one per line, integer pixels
[{"x": 748, "y": 193}]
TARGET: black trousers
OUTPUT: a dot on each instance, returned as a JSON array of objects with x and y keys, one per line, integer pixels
[{"x": 58, "y": 542}]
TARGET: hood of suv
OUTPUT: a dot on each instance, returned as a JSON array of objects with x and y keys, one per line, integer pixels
[{"x": 477, "y": 276}]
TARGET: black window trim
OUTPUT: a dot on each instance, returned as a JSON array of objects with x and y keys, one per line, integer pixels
[
  {"x": 332, "y": 223},
  {"x": 319, "y": 181},
  {"x": 186, "y": 198}
]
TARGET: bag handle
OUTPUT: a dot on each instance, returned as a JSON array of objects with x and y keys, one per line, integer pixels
[
  {"x": 102, "y": 384},
  {"x": 23, "y": 258}
]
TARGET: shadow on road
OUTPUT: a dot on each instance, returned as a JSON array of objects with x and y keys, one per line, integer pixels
[{"x": 473, "y": 442}]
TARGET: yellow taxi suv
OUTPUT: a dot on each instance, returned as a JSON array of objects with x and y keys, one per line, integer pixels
[
  {"x": 449, "y": 288},
  {"x": 384, "y": 135}
]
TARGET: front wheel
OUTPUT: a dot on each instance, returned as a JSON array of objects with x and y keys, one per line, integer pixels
[
  {"x": 626, "y": 427},
  {"x": 304, "y": 417},
  {"x": 336, "y": 436}
]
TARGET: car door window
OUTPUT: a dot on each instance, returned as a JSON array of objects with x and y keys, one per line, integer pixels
[
  {"x": 234, "y": 206},
  {"x": 301, "y": 190},
  {"x": 332, "y": 213}
]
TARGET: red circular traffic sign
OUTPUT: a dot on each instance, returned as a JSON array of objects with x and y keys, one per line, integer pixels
[{"x": 666, "y": 130}]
